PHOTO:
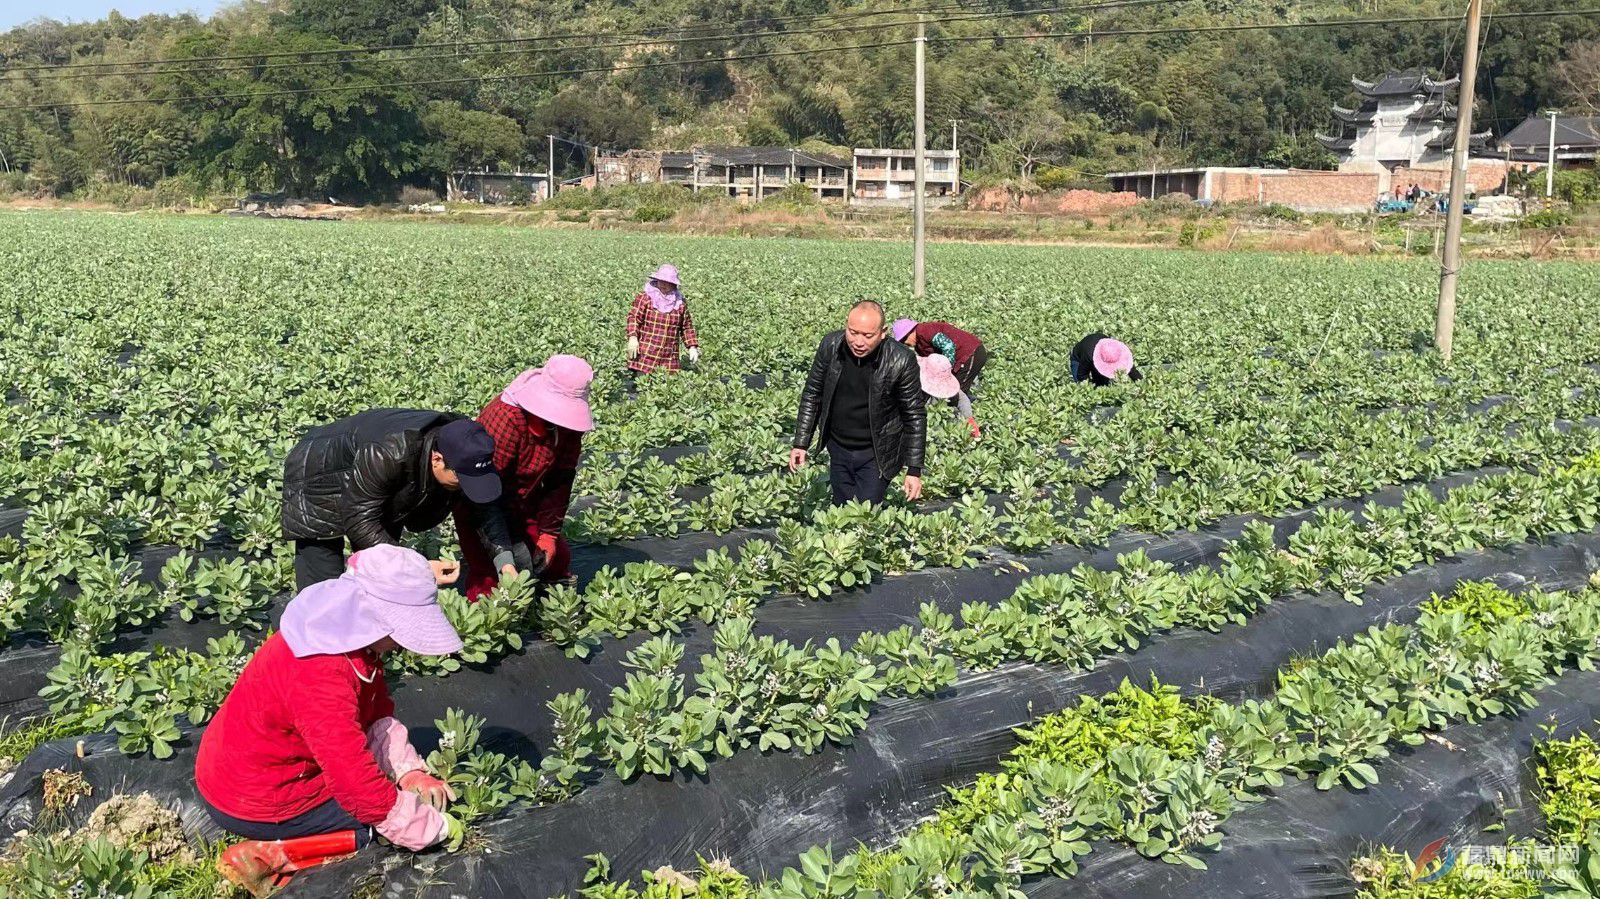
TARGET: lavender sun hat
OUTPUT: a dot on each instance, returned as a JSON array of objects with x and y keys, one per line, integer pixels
[{"x": 385, "y": 591}]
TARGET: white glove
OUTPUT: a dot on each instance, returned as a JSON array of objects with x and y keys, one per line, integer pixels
[
  {"x": 633, "y": 347},
  {"x": 694, "y": 354}
]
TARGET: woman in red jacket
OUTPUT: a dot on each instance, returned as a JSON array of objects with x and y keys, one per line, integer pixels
[
  {"x": 305, "y": 758},
  {"x": 657, "y": 323},
  {"x": 537, "y": 423}
]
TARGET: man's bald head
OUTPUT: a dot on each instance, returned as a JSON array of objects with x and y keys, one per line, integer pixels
[{"x": 866, "y": 327}]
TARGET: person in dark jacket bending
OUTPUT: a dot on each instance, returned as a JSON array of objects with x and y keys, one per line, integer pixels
[
  {"x": 372, "y": 476},
  {"x": 864, "y": 396}
]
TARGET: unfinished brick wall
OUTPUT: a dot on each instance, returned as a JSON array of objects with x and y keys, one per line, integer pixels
[
  {"x": 1484, "y": 175},
  {"x": 1068, "y": 202},
  {"x": 1321, "y": 191},
  {"x": 1235, "y": 187}
]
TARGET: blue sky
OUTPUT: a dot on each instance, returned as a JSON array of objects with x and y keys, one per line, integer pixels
[{"x": 15, "y": 12}]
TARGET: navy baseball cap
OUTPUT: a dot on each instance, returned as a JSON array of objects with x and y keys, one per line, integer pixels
[{"x": 468, "y": 450}]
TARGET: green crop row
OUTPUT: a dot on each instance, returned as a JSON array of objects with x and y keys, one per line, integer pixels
[{"x": 1115, "y": 769}]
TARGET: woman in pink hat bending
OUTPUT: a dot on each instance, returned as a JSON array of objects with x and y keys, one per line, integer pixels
[
  {"x": 537, "y": 423},
  {"x": 304, "y": 758},
  {"x": 658, "y": 322},
  {"x": 1100, "y": 360},
  {"x": 939, "y": 382}
]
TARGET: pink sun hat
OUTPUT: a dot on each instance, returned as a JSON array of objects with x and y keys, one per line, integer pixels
[
  {"x": 1112, "y": 358},
  {"x": 557, "y": 393},
  {"x": 902, "y": 327},
  {"x": 667, "y": 273},
  {"x": 937, "y": 379},
  {"x": 385, "y": 591}
]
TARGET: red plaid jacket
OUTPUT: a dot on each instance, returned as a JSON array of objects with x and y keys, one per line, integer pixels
[
  {"x": 537, "y": 462},
  {"x": 659, "y": 333}
]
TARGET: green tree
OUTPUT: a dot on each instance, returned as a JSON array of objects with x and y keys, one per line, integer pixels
[
  {"x": 465, "y": 139},
  {"x": 362, "y": 22},
  {"x": 324, "y": 130}
]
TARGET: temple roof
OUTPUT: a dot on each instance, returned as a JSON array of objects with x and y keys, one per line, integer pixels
[
  {"x": 1435, "y": 110},
  {"x": 1336, "y": 144},
  {"x": 1412, "y": 82},
  {"x": 1361, "y": 115},
  {"x": 1447, "y": 141}
]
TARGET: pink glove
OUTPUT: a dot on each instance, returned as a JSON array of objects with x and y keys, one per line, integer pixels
[
  {"x": 412, "y": 824},
  {"x": 433, "y": 791},
  {"x": 390, "y": 743}
]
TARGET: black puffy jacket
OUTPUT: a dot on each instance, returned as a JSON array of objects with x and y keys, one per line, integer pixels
[
  {"x": 896, "y": 408},
  {"x": 369, "y": 477}
]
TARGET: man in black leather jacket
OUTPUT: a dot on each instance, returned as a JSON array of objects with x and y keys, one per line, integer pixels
[
  {"x": 864, "y": 396},
  {"x": 372, "y": 476}
]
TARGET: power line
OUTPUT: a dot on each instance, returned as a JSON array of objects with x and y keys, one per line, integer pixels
[
  {"x": 653, "y": 34},
  {"x": 771, "y": 54},
  {"x": 1107, "y": 4}
]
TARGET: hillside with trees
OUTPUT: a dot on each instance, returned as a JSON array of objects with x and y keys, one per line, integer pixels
[{"x": 290, "y": 94}]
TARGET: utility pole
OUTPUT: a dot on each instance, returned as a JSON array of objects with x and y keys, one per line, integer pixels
[
  {"x": 954, "y": 136},
  {"x": 1445, "y": 325},
  {"x": 1550, "y": 167},
  {"x": 919, "y": 202},
  {"x": 550, "y": 169}
]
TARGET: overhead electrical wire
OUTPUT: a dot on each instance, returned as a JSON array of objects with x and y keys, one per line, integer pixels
[
  {"x": 389, "y": 60},
  {"x": 771, "y": 54},
  {"x": 653, "y": 35}
]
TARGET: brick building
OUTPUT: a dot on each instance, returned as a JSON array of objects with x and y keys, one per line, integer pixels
[
  {"x": 744, "y": 172},
  {"x": 889, "y": 176}
]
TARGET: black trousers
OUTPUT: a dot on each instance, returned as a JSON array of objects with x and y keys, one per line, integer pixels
[
  {"x": 853, "y": 474},
  {"x": 967, "y": 375},
  {"x": 329, "y": 817},
  {"x": 316, "y": 561}
]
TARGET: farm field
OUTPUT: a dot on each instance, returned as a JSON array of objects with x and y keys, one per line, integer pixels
[{"x": 1125, "y": 644}]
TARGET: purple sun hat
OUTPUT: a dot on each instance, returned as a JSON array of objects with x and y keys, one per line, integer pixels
[
  {"x": 385, "y": 591},
  {"x": 902, "y": 327},
  {"x": 667, "y": 273}
]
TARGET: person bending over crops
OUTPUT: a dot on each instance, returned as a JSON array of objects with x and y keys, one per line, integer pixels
[
  {"x": 537, "y": 423},
  {"x": 965, "y": 351},
  {"x": 371, "y": 477},
  {"x": 305, "y": 759},
  {"x": 863, "y": 398},
  {"x": 940, "y": 383},
  {"x": 1100, "y": 360},
  {"x": 657, "y": 323}
]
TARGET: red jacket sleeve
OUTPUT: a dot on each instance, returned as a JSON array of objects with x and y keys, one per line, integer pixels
[
  {"x": 636, "y": 315},
  {"x": 555, "y": 491},
  {"x": 327, "y": 716},
  {"x": 689, "y": 337}
]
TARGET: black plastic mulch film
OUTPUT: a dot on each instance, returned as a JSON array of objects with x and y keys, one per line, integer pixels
[{"x": 761, "y": 811}]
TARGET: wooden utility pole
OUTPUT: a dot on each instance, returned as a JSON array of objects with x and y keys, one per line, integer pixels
[
  {"x": 1445, "y": 325},
  {"x": 919, "y": 210}
]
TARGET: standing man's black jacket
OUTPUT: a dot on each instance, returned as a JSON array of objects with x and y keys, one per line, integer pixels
[
  {"x": 895, "y": 405},
  {"x": 369, "y": 477}
]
